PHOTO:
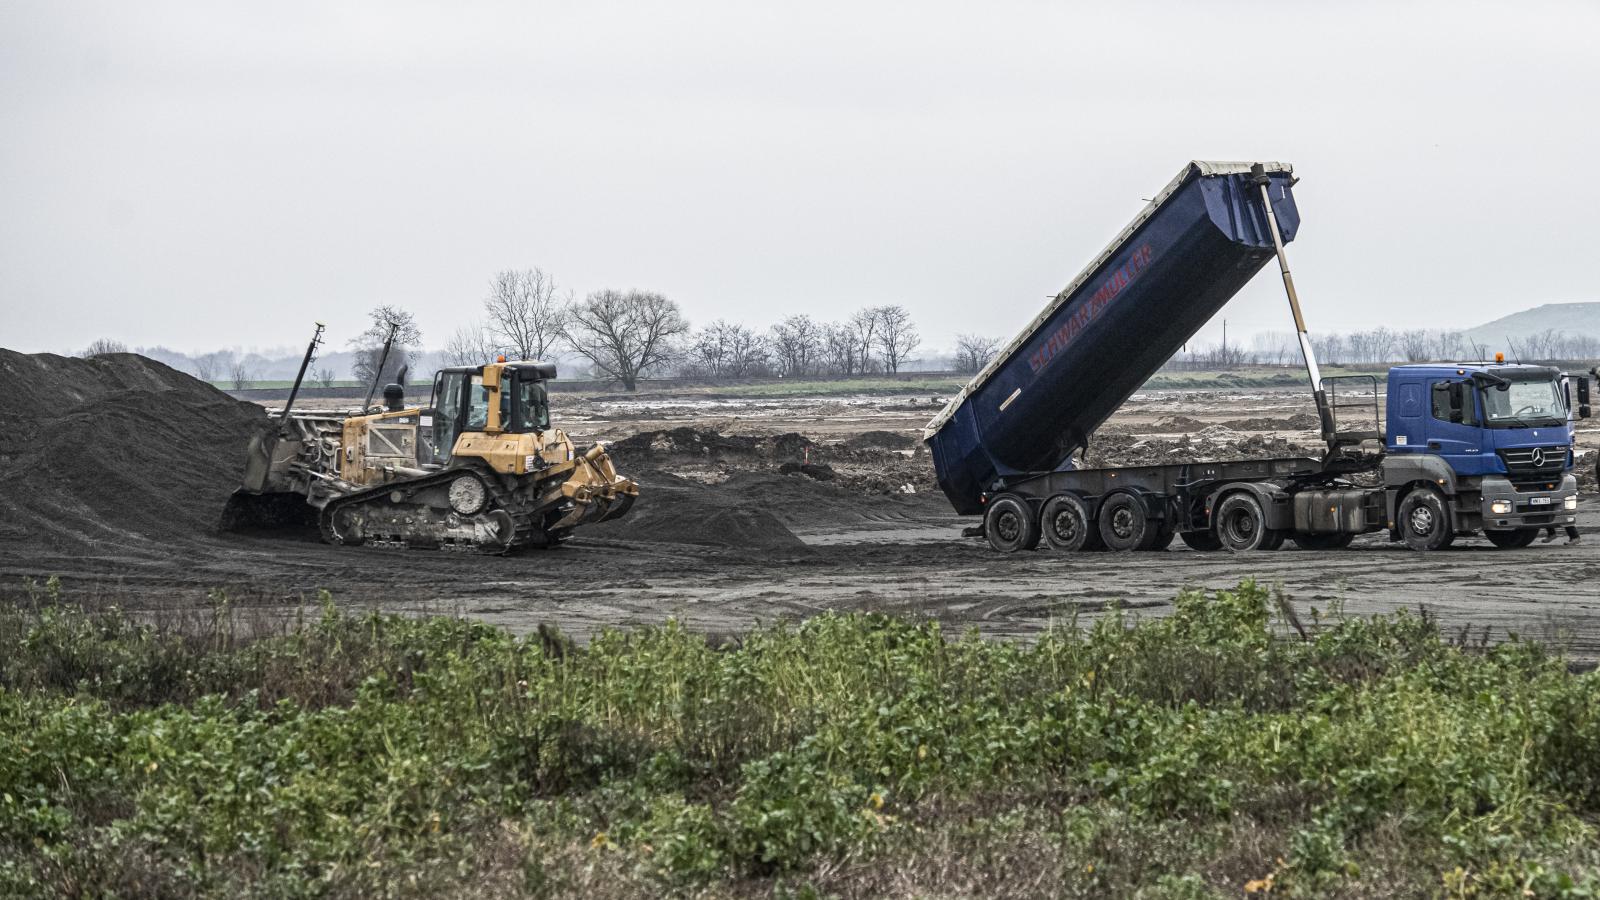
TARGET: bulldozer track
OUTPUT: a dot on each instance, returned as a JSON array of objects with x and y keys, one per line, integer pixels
[{"x": 526, "y": 529}]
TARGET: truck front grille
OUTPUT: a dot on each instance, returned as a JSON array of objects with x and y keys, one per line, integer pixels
[{"x": 1535, "y": 463}]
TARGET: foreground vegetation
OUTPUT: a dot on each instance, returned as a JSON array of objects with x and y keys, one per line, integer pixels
[{"x": 1192, "y": 756}]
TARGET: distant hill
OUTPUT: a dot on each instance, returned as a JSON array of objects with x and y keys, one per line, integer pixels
[{"x": 1563, "y": 318}]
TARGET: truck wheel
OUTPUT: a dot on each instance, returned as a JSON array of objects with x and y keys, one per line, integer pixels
[
  {"x": 1240, "y": 524},
  {"x": 1323, "y": 540},
  {"x": 1424, "y": 521},
  {"x": 1123, "y": 523},
  {"x": 1511, "y": 540},
  {"x": 1009, "y": 524},
  {"x": 1204, "y": 541},
  {"x": 1067, "y": 526},
  {"x": 1160, "y": 535}
]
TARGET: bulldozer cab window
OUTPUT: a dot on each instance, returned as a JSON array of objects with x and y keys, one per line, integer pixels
[
  {"x": 531, "y": 409},
  {"x": 477, "y": 404}
]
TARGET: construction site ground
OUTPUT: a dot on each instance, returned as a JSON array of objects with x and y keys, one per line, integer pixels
[{"x": 751, "y": 510}]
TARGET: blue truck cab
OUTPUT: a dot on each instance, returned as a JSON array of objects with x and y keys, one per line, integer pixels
[{"x": 1494, "y": 439}]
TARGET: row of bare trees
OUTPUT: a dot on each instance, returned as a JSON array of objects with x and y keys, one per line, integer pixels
[
  {"x": 628, "y": 335},
  {"x": 874, "y": 339},
  {"x": 1379, "y": 346},
  {"x": 624, "y": 335}
]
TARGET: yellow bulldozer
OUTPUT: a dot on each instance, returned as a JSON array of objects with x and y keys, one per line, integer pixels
[{"x": 478, "y": 469}]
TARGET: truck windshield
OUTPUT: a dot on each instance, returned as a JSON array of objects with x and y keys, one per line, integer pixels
[{"x": 1523, "y": 403}]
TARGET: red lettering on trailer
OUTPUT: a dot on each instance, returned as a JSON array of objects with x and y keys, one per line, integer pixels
[{"x": 1090, "y": 309}]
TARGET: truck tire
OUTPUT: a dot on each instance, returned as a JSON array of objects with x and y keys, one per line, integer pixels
[
  {"x": 1512, "y": 540},
  {"x": 1240, "y": 524},
  {"x": 1161, "y": 535},
  {"x": 1123, "y": 523},
  {"x": 1009, "y": 524},
  {"x": 1204, "y": 541},
  {"x": 1424, "y": 520},
  {"x": 1067, "y": 525},
  {"x": 1323, "y": 540}
]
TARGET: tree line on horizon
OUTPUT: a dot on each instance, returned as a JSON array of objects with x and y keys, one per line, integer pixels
[
  {"x": 626, "y": 336},
  {"x": 1383, "y": 346}
]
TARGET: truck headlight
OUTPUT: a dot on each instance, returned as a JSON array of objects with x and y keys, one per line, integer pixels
[
  {"x": 1571, "y": 502},
  {"x": 1500, "y": 507}
]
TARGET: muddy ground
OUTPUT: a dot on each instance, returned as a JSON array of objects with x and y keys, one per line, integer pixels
[{"x": 752, "y": 510}]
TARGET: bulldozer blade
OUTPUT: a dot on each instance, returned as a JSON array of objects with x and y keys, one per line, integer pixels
[
  {"x": 248, "y": 511},
  {"x": 618, "y": 508}
]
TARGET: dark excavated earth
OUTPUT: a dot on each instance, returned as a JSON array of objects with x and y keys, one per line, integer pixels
[{"x": 114, "y": 472}]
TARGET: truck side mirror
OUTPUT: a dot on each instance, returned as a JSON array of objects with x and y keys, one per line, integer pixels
[
  {"x": 1457, "y": 401},
  {"x": 1583, "y": 391},
  {"x": 1583, "y": 411}
]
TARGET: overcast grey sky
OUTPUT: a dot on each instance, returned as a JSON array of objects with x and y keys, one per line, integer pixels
[{"x": 211, "y": 174}]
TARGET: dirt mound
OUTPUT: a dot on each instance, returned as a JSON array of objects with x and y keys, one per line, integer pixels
[
  {"x": 1212, "y": 445},
  {"x": 1586, "y": 466},
  {"x": 1296, "y": 422},
  {"x": 710, "y": 457},
  {"x": 657, "y": 446},
  {"x": 1177, "y": 424},
  {"x": 676, "y": 510},
  {"x": 114, "y": 449},
  {"x": 882, "y": 440}
]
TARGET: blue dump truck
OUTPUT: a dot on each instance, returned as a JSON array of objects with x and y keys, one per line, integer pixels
[{"x": 1466, "y": 447}]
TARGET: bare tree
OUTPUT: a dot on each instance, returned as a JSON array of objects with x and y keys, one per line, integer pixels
[
  {"x": 212, "y": 366},
  {"x": 973, "y": 351},
  {"x": 1331, "y": 348},
  {"x": 896, "y": 335},
  {"x": 796, "y": 344},
  {"x": 1448, "y": 343},
  {"x": 368, "y": 345},
  {"x": 1273, "y": 347},
  {"x": 104, "y": 346},
  {"x": 1413, "y": 345},
  {"x": 240, "y": 374},
  {"x": 325, "y": 377},
  {"x": 1541, "y": 345},
  {"x": 864, "y": 324},
  {"x": 471, "y": 345},
  {"x": 724, "y": 349},
  {"x": 525, "y": 312},
  {"x": 841, "y": 349},
  {"x": 625, "y": 334}
]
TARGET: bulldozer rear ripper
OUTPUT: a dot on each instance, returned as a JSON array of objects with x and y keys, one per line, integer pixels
[{"x": 479, "y": 469}]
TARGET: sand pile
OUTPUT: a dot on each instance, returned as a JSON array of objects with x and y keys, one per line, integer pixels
[{"x": 112, "y": 448}]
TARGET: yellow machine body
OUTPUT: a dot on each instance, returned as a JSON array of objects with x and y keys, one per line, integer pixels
[{"x": 385, "y": 479}]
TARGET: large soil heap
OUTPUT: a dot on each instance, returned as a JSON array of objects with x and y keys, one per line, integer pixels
[{"x": 118, "y": 450}]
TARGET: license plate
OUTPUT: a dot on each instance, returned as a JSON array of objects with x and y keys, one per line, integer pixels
[{"x": 1539, "y": 501}]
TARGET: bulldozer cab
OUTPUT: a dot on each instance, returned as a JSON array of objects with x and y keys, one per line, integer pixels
[{"x": 500, "y": 398}]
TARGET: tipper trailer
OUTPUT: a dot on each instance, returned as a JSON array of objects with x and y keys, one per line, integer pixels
[{"x": 1465, "y": 447}]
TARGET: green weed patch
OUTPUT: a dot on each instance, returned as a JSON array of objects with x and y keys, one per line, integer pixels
[{"x": 1199, "y": 755}]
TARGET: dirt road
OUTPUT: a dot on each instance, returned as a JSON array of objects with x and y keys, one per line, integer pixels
[{"x": 902, "y": 557}]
